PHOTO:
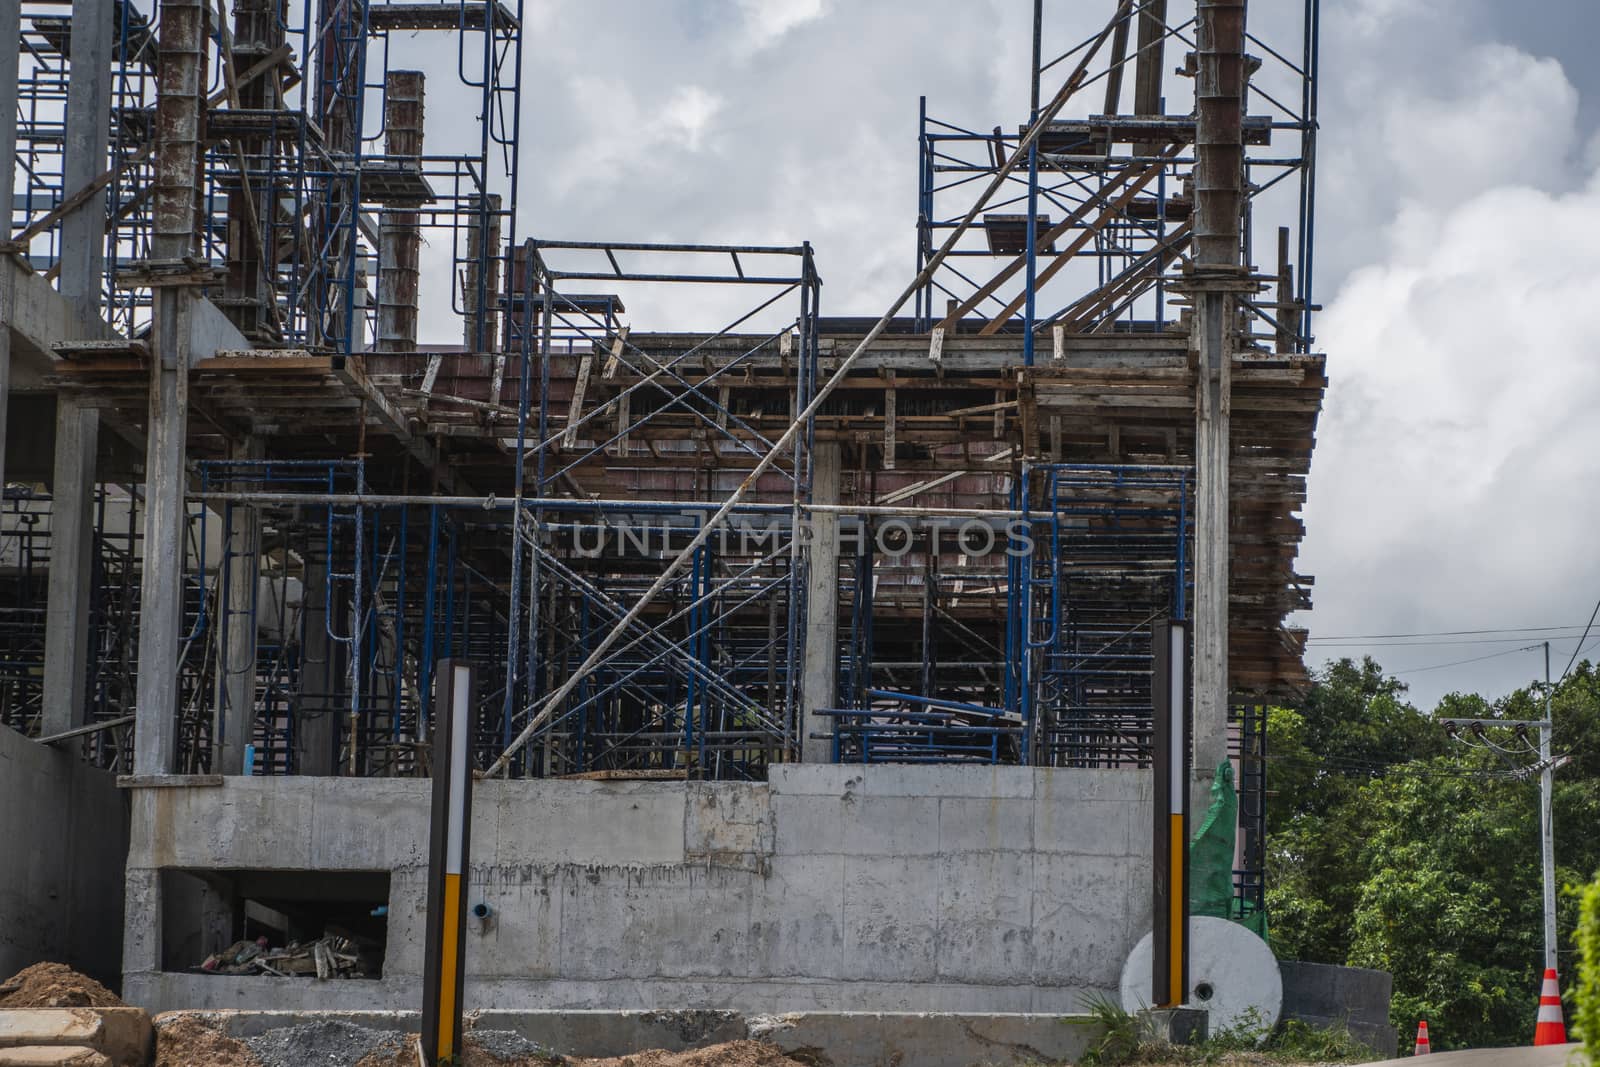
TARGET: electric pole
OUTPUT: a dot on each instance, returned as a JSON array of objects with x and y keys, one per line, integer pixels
[
  {"x": 1546, "y": 767},
  {"x": 1547, "y": 838}
]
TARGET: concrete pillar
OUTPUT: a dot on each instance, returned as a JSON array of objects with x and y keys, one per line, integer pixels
[
  {"x": 180, "y": 103},
  {"x": 10, "y": 29},
  {"x": 82, "y": 246},
  {"x": 83, "y": 232},
  {"x": 399, "y": 231},
  {"x": 820, "y": 672},
  {"x": 316, "y": 715},
  {"x": 66, "y": 640},
  {"x": 480, "y": 330},
  {"x": 161, "y": 581},
  {"x": 1211, "y": 532},
  {"x": 237, "y": 629},
  {"x": 257, "y": 31},
  {"x": 1216, "y": 276}
]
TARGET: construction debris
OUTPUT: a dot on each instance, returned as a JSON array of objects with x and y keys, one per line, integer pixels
[
  {"x": 55, "y": 985},
  {"x": 332, "y": 956}
]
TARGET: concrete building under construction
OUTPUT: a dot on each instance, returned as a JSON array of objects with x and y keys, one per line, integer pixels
[{"x": 814, "y": 653}]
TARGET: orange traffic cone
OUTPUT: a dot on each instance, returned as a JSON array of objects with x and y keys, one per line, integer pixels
[
  {"x": 1550, "y": 1029},
  {"x": 1423, "y": 1048}
]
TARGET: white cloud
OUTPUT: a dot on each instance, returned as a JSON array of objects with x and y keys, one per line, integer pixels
[
  {"x": 1450, "y": 489},
  {"x": 627, "y": 133},
  {"x": 768, "y": 21}
]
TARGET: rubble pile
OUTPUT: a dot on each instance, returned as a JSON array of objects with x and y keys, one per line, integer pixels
[{"x": 332, "y": 956}]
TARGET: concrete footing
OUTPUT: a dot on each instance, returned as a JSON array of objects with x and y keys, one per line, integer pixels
[
  {"x": 1178, "y": 1026},
  {"x": 840, "y": 1039}
]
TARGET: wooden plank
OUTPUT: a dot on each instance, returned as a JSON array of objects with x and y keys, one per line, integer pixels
[
  {"x": 890, "y": 401},
  {"x": 569, "y": 436}
]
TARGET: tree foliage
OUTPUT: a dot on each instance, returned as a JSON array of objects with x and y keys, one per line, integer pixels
[{"x": 1392, "y": 846}]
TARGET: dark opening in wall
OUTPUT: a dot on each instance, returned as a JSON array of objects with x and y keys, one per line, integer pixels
[{"x": 289, "y": 924}]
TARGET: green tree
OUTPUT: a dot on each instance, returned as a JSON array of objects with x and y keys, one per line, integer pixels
[{"x": 1392, "y": 846}]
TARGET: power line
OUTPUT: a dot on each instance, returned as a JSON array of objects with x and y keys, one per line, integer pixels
[
  {"x": 1582, "y": 639},
  {"x": 1448, "y": 633},
  {"x": 1474, "y": 659},
  {"x": 1330, "y": 643}
]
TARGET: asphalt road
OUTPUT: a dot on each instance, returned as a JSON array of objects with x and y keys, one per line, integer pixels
[{"x": 1544, "y": 1056}]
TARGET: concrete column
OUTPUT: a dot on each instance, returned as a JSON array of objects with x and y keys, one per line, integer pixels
[
  {"x": 161, "y": 581},
  {"x": 10, "y": 29},
  {"x": 180, "y": 102},
  {"x": 1211, "y": 533},
  {"x": 236, "y": 631},
  {"x": 83, "y": 233},
  {"x": 316, "y": 718},
  {"x": 66, "y": 641},
  {"x": 820, "y": 672},
  {"x": 1216, "y": 275},
  {"x": 480, "y": 329},
  {"x": 400, "y": 235}
]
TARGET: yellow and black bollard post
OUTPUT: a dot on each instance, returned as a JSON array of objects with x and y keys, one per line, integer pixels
[{"x": 444, "y": 962}]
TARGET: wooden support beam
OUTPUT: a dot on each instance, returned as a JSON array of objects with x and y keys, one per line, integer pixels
[
  {"x": 889, "y": 402},
  {"x": 580, "y": 385}
]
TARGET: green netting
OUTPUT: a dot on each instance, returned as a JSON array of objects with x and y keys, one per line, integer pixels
[{"x": 1211, "y": 856}]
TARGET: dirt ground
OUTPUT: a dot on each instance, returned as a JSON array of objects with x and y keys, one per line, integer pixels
[
  {"x": 188, "y": 1042},
  {"x": 732, "y": 1054},
  {"x": 185, "y": 1041},
  {"x": 54, "y": 985}
]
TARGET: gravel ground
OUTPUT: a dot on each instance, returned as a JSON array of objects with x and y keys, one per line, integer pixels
[
  {"x": 325, "y": 1043},
  {"x": 507, "y": 1044}
]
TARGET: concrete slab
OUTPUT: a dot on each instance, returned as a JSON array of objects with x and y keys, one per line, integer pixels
[
  {"x": 122, "y": 1035},
  {"x": 49, "y": 1026},
  {"x": 51, "y": 1056}
]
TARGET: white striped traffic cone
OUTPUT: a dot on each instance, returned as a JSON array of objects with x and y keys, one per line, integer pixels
[
  {"x": 1551, "y": 1029},
  {"x": 1423, "y": 1048}
]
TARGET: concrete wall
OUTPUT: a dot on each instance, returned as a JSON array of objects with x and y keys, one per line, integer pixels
[
  {"x": 1322, "y": 994},
  {"x": 889, "y": 888},
  {"x": 63, "y": 837}
]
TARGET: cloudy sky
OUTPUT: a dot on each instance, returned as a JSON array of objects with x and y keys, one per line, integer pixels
[{"x": 1454, "y": 485}]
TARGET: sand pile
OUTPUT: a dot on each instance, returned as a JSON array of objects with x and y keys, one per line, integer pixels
[
  {"x": 186, "y": 1041},
  {"x": 54, "y": 985}
]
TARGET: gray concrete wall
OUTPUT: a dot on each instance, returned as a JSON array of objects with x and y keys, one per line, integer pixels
[
  {"x": 888, "y": 888},
  {"x": 1357, "y": 998},
  {"x": 63, "y": 837}
]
